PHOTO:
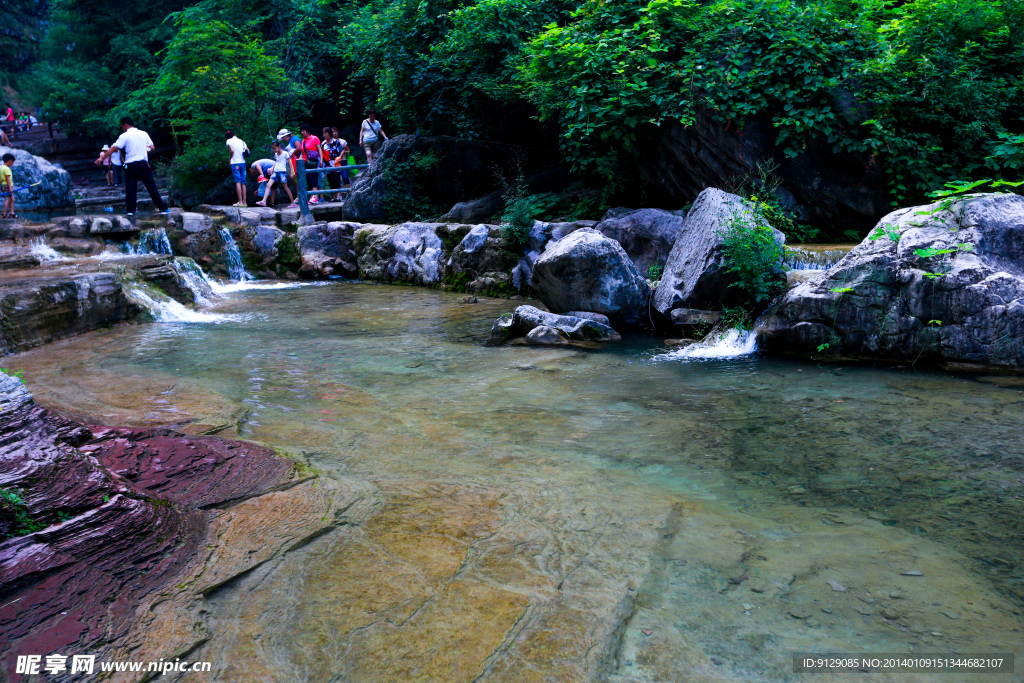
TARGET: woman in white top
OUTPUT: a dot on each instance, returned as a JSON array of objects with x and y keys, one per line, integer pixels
[{"x": 371, "y": 136}]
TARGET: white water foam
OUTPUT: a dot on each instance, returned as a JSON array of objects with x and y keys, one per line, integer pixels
[
  {"x": 44, "y": 252},
  {"x": 171, "y": 311},
  {"x": 732, "y": 344}
]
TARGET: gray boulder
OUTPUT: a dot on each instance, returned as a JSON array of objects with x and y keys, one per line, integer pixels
[
  {"x": 695, "y": 275},
  {"x": 195, "y": 222},
  {"x": 526, "y": 318},
  {"x": 478, "y": 210},
  {"x": 326, "y": 249},
  {"x": 946, "y": 287},
  {"x": 482, "y": 258},
  {"x": 54, "y": 189},
  {"x": 409, "y": 252},
  {"x": 590, "y": 272},
  {"x": 647, "y": 235}
]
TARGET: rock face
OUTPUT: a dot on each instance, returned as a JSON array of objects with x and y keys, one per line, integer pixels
[
  {"x": 903, "y": 299},
  {"x": 647, "y": 235},
  {"x": 462, "y": 168},
  {"x": 830, "y": 191},
  {"x": 326, "y": 249},
  {"x": 482, "y": 259},
  {"x": 694, "y": 275},
  {"x": 527, "y": 318},
  {"x": 410, "y": 252},
  {"x": 54, "y": 190},
  {"x": 40, "y": 310},
  {"x": 588, "y": 271}
]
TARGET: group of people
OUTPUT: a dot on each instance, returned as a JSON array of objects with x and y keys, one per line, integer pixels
[
  {"x": 129, "y": 157},
  {"x": 13, "y": 122},
  {"x": 331, "y": 150}
]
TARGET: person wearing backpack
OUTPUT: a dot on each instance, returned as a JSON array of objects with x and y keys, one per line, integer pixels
[
  {"x": 371, "y": 136},
  {"x": 238, "y": 151}
]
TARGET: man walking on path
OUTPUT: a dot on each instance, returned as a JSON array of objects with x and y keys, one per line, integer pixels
[
  {"x": 136, "y": 145},
  {"x": 238, "y": 151}
]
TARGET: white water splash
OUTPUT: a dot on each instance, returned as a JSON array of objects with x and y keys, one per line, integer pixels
[
  {"x": 149, "y": 242},
  {"x": 44, "y": 252},
  {"x": 731, "y": 344},
  {"x": 171, "y": 311}
]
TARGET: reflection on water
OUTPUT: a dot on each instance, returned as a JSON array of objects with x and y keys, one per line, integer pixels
[{"x": 778, "y": 475}]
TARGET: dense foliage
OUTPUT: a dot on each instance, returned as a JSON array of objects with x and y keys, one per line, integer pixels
[{"x": 930, "y": 91}]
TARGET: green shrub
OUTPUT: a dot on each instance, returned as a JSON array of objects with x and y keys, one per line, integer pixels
[{"x": 754, "y": 257}]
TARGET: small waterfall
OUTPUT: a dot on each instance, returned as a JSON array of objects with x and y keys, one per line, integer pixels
[
  {"x": 170, "y": 311},
  {"x": 149, "y": 242},
  {"x": 44, "y": 252},
  {"x": 798, "y": 258},
  {"x": 195, "y": 279},
  {"x": 718, "y": 345},
  {"x": 234, "y": 257}
]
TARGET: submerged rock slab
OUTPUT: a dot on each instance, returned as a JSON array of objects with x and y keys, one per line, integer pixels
[
  {"x": 941, "y": 283},
  {"x": 588, "y": 271}
]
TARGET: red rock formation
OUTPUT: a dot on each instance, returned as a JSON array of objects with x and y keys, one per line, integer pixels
[{"x": 93, "y": 521}]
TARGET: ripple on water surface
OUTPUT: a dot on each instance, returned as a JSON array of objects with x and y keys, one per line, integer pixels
[{"x": 764, "y": 479}]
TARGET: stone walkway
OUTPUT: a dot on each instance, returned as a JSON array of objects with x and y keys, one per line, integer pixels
[{"x": 282, "y": 216}]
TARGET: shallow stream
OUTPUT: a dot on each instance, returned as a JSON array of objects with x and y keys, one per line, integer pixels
[{"x": 662, "y": 519}]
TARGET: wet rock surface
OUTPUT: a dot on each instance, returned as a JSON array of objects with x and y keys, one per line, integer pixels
[
  {"x": 695, "y": 274},
  {"x": 947, "y": 286},
  {"x": 588, "y": 271}
]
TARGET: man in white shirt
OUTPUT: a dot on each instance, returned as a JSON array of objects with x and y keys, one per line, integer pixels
[
  {"x": 136, "y": 145},
  {"x": 237, "y": 149}
]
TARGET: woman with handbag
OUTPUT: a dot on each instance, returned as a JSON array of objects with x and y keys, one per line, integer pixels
[{"x": 371, "y": 136}]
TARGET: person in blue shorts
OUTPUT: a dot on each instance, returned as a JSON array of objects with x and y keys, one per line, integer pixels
[
  {"x": 280, "y": 175},
  {"x": 238, "y": 151}
]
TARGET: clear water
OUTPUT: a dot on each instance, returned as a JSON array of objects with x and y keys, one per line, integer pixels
[{"x": 740, "y": 486}]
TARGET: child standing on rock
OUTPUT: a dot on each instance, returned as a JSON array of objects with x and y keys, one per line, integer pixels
[
  {"x": 7, "y": 185},
  {"x": 280, "y": 175}
]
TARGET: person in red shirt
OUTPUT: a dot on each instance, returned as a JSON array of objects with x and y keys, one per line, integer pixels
[{"x": 309, "y": 147}]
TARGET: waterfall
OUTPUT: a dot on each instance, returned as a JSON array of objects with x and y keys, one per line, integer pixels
[
  {"x": 149, "y": 242},
  {"x": 170, "y": 311},
  {"x": 718, "y": 345},
  {"x": 234, "y": 257},
  {"x": 201, "y": 285},
  {"x": 44, "y": 252},
  {"x": 799, "y": 258}
]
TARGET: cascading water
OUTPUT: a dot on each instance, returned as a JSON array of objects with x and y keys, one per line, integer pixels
[
  {"x": 234, "y": 257},
  {"x": 798, "y": 258},
  {"x": 44, "y": 252},
  {"x": 170, "y": 311},
  {"x": 731, "y": 344}
]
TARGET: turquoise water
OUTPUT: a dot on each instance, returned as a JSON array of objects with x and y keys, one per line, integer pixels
[{"x": 845, "y": 471}]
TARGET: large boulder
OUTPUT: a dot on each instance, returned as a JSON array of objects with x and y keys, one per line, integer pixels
[
  {"x": 941, "y": 283},
  {"x": 326, "y": 249},
  {"x": 647, "y": 235},
  {"x": 695, "y": 274},
  {"x": 590, "y": 272},
  {"x": 54, "y": 188},
  {"x": 409, "y": 252}
]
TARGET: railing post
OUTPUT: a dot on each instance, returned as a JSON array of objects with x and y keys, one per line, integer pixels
[{"x": 300, "y": 184}]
